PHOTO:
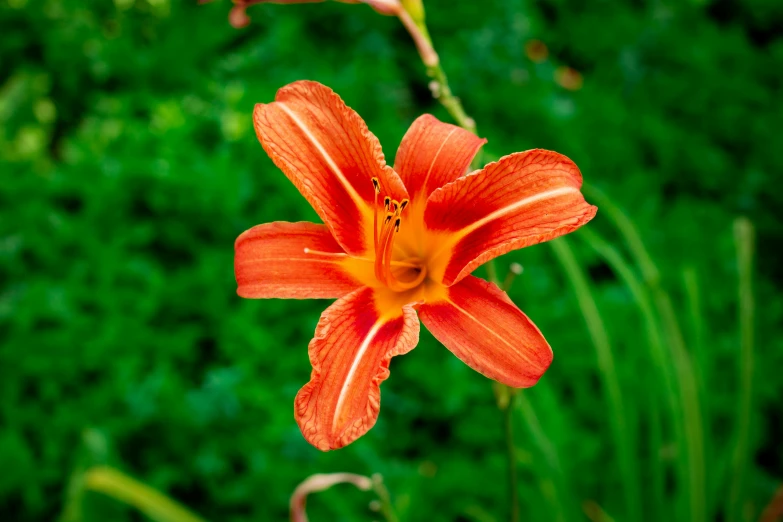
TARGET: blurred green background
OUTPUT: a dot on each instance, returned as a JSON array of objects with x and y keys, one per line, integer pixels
[{"x": 130, "y": 165}]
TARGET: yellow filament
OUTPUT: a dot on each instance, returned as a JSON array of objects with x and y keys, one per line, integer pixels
[
  {"x": 386, "y": 234},
  {"x": 383, "y": 241}
]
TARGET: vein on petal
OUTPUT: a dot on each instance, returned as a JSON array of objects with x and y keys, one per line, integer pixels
[
  {"x": 354, "y": 366},
  {"x": 490, "y": 330},
  {"x": 339, "y": 173}
]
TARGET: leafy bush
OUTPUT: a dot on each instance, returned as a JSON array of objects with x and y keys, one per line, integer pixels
[{"x": 129, "y": 165}]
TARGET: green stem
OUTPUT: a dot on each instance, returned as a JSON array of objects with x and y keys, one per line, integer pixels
[
  {"x": 492, "y": 275},
  {"x": 152, "y": 503},
  {"x": 440, "y": 82},
  {"x": 442, "y": 92},
  {"x": 550, "y": 463},
  {"x": 701, "y": 363},
  {"x": 506, "y": 406},
  {"x": 694, "y": 432},
  {"x": 413, "y": 20},
  {"x": 622, "y": 432},
  {"x": 387, "y": 509},
  {"x": 744, "y": 240},
  {"x": 658, "y": 353},
  {"x": 511, "y": 453},
  {"x": 692, "y": 420}
]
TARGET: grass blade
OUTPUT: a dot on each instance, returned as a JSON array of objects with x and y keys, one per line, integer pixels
[
  {"x": 622, "y": 432},
  {"x": 744, "y": 241},
  {"x": 558, "y": 495},
  {"x": 684, "y": 372},
  {"x": 659, "y": 357},
  {"x": 149, "y": 501}
]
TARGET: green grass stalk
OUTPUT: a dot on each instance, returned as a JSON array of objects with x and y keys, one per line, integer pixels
[
  {"x": 684, "y": 372},
  {"x": 127, "y": 490},
  {"x": 744, "y": 240},
  {"x": 658, "y": 353},
  {"x": 547, "y": 450},
  {"x": 623, "y": 434},
  {"x": 702, "y": 369}
]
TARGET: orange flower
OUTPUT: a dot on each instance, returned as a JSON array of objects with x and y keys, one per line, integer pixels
[{"x": 397, "y": 241}]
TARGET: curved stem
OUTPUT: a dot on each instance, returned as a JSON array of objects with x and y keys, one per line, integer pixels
[
  {"x": 386, "y": 507},
  {"x": 511, "y": 453},
  {"x": 151, "y": 502},
  {"x": 439, "y": 86}
]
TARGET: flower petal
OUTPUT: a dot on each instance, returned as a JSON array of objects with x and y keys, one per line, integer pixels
[
  {"x": 353, "y": 345},
  {"x": 270, "y": 261},
  {"x": 433, "y": 153},
  {"x": 523, "y": 199},
  {"x": 326, "y": 150},
  {"x": 480, "y": 325}
]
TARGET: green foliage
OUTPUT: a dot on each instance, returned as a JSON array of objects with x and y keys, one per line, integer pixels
[{"x": 129, "y": 166}]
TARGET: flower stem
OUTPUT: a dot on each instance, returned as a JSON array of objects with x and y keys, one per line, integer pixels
[
  {"x": 508, "y": 423},
  {"x": 505, "y": 396},
  {"x": 413, "y": 20},
  {"x": 744, "y": 238},
  {"x": 511, "y": 452},
  {"x": 439, "y": 85},
  {"x": 386, "y": 507}
]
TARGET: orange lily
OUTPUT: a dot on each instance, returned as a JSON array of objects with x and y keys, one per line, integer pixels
[{"x": 396, "y": 242}]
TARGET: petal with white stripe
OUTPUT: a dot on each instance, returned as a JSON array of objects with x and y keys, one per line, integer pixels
[
  {"x": 330, "y": 155},
  {"x": 350, "y": 354},
  {"x": 478, "y": 323},
  {"x": 272, "y": 260},
  {"x": 523, "y": 199},
  {"x": 433, "y": 153}
]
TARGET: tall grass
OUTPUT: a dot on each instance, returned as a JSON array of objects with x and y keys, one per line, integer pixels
[
  {"x": 623, "y": 434},
  {"x": 690, "y": 432},
  {"x": 667, "y": 474},
  {"x": 744, "y": 241}
]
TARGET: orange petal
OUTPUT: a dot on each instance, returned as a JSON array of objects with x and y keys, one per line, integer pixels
[
  {"x": 433, "y": 153},
  {"x": 480, "y": 325},
  {"x": 350, "y": 354},
  {"x": 270, "y": 261},
  {"x": 327, "y": 151},
  {"x": 523, "y": 199}
]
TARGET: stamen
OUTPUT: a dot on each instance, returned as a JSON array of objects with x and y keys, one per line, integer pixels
[
  {"x": 383, "y": 238},
  {"x": 385, "y": 234},
  {"x": 377, "y": 185}
]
